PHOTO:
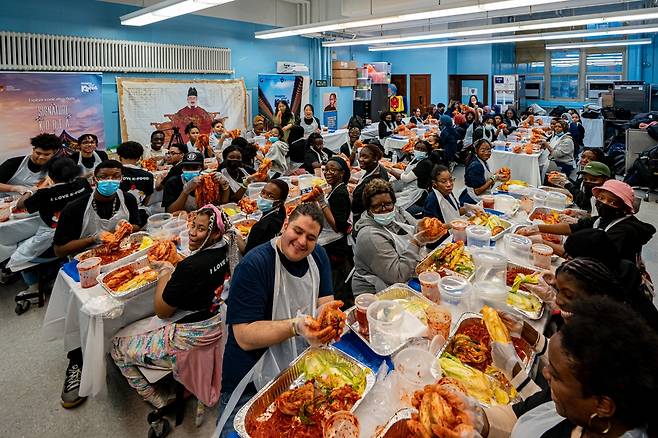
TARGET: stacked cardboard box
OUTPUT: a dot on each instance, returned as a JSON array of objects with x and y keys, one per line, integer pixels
[{"x": 343, "y": 73}]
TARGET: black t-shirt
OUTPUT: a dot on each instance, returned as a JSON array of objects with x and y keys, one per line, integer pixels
[
  {"x": 88, "y": 163},
  {"x": 197, "y": 283},
  {"x": 267, "y": 227},
  {"x": 137, "y": 179},
  {"x": 172, "y": 190},
  {"x": 357, "y": 194},
  {"x": 50, "y": 201},
  {"x": 70, "y": 220},
  {"x": 310, "y": 157},
  {"x": 423, "y": 172},
  {"x": 9, "y": 168},
  {"x": 176, "y": 170},
  {"x": 341, "y": 207},
  {"x": 251, "y": 299}
]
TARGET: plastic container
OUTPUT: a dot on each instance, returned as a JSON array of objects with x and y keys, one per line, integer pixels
[
  {"x": 429, "y": 284},
  {"x": 478, "y": 235},
  {"x": 362, "y": 302},
  {"x": 305, "y": 183},
  {"x": 505, "y": 203},
  {"x": 231, "y": 209},
  {"x": 458, "y": 230},
  {"x": 260, "y": 140},
  {"x": 184, "y": 242},
  {"x": 455, "y": 294},
  {"x": 89, "y": 269},
  {"x": 488, "y": 201},
  {"x": 414, "y": 368},
  {"x": 384, "y": 322},
  {"x": 439, "y": 320},
  {"x": 490, "y": 278},
  {"x": 539, "y": 198},
  {"x": 157, "y": 221},
  {"x": 254, "y": 189},
  {"x": 541, "y": 255},
  {"x": 556, "y": 200},
  {"x": 518, "y": 248}
]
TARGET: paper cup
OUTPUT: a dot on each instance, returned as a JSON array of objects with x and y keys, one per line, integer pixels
[{"x": 88, "y": 270}]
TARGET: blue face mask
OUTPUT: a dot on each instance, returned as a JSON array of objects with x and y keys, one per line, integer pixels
[
  {"x": 384, "y": 219},
  {"x": 189, "y": 174},
  {"x": 108, "y": 187},
  {"x": 273, "y": 139},
  {"x": 419, "y": 155},
  {"x": 264, "y": 205}
]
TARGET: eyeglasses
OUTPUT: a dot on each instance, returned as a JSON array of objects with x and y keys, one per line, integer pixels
[
  {"x": 332, "y": 171},
  {"x": 446, "y": 181},
  {"x": 88, "y": 142},
  {"x": 382, "y": 208},
  {"x": 173, "y": 153}
]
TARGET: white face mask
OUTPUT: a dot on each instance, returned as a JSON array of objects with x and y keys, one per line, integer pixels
[{"x": 384, "y": 219}]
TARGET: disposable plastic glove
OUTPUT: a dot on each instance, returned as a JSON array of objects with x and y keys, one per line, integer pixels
[
  {"x": 528, "y": 231},
  {"x": 504, "y": 358},
  {"x": 309, "y": 329},
  {"x": 191, "y": 185}
]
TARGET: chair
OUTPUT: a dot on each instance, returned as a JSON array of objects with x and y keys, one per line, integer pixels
[{"x": 45, "y": 277}]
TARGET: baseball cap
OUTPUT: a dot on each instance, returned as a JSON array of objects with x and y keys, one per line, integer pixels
[
  {"x": 193, "y": 158},
  {"x": 618, "y": 188},
  {"x": 596, "y": 168}
]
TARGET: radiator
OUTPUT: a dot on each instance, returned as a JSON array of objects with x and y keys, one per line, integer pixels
[{"x": 40, "y": 52}]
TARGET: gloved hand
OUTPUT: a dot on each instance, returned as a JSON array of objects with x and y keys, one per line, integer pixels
[
  {"x": 20, "y": 189},
  {"x": 514, "y": 325},
  {"x": 97, "y": 238},
  {"x": 162, "y": 266},
  {"x": 223, "y": 182},
  {"x": 544, "y": 289},
  {"x": 528, "y": 231},
  {"x": 536, "y": 238},
  {"x": 308, "y": 328},
  {"x": 472, "y": 208},
  {"x": 504, "y": 358},
  {"x": 321, "y": 199},
  {"x": 422, "y": 237},
  {"x": 565, "y": 218},
  {"x": 558, "y": 180},
  {"x": 191, "y": 185}
]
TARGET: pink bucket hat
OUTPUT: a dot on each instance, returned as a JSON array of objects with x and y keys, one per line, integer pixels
[{"x": 618, "y": 188}]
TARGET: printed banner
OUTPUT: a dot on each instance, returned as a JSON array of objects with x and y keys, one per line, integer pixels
[
  {"x": 330, "y": 113},
  {"x": 64, "y": 104},
  {"x": 273, "y": 88},
  {"x": 170, "y": 105}
]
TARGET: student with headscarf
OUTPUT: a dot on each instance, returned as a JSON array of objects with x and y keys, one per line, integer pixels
[{"x": 448, "y": 138}]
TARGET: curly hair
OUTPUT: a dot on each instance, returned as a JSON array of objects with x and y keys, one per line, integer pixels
[
  {"x": 130, "y": 150},
  {"x": 47, "y": 142},
  {"x": 592, "y": 276},
  {"x": 374, "y": 149},
  {"x": 614, "y": 353},
  {"x": 309, "y": 209},
  {"x": 376, "y": 187}
]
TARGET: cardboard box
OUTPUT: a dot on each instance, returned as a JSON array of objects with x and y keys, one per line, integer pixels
[
  {"x": 343, "y": 64},
  {"x": 343, "y": 74},
  {"x": 607, "y": 100},
  {"x": 350, "y": 82}
]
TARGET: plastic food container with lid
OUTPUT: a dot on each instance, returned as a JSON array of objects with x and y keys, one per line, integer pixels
[
  {"x": 253, "y": 189},
  {"x": 518, "y": 248},
  {"x": 478, "y": 235},
  {"x": 455, "y": 294},
  {"x": 458, "y": 228},
  {"x": 157, "y": 221},
  {"x": 384, "y": 322},
  {"x": 490, "y": 278},
  {"x": 541, "y": 255},
  {"x": 556, "y": 200}
]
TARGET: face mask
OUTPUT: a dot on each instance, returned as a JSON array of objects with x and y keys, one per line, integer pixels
[
  {"x": 108, "y": 187},
  {"x": 559, "y": 134},
  {"x": 189, "y": 174},
  {"x": 587, "y": 188},
  {"x": 264, "y": 205},
  {"x": 608, "y": 212},
  {"x": 273, "y": 139},
  {"x": 419, "y": 155},
  {"x": 384, "y": 219},
  {"x": 233, "y": 164}
]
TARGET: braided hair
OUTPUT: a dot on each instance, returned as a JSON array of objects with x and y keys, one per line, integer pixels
[
  {"x": 593, "y": 277},
  {"x": 216, "y": 219}
]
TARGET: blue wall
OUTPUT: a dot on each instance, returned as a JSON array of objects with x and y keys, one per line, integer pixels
[{"x": 90, "y": 18}]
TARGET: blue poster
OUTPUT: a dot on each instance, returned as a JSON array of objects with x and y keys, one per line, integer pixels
[
  {"x": 330, "y": 120},
  {"x": 274, "y": 88}
]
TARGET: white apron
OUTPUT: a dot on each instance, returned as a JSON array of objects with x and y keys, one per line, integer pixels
[
  {"x": 401, "y": 244},
  {"x": 537, "y": 421},
  {"x": 364, "y": 176},
  {"x": 232, "y": 183},
  {"x": 292, "y": 295},
  {"x": 85, "y": 170},
  {"x": 597, "y": 222},
  {"x": 487, "y": 175},
  {"x": 309, "y": 129},
  {"x": 447, "y": 210},
  {"x": 92, "y": 223},
  {"x": 25, "y": 177},
  {"x": 328, "y": 235},
  {"x": 407, "y": 193}
]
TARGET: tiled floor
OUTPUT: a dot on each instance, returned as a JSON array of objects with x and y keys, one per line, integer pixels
[{"x": 32, "y": 376}]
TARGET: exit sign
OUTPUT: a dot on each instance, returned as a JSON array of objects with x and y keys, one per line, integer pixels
[{"x": 321, "y": 83}]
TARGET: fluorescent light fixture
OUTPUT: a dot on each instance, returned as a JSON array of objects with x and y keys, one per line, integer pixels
[
  {"x": 553, "y": 23},
  {"x": 628, "y": 30},
  {"x": 339, "y": 25},
  {"x": 167, "y": 9},
  {"x": 609, "y": 43}
]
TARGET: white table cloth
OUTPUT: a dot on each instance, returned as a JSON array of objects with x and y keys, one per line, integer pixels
[
  {"x": 78, "y": 325},
  {"x": 392, "y": 143},
  {"x": 14, "y": 231},
  {"x": 334, "y": 140},
  {"x": 370, "y": 131},
  {"x": 524, "y": 167}
]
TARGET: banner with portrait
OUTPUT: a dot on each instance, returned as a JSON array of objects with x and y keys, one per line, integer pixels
[
  {"x": 330, "y": 112},
  {"x": 171, "y": 104},
  {"x": 274, "y": 88},
  {"x": 65, "y": 104}
]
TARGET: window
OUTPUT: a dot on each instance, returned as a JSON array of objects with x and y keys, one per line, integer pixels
[{"x": 565, "y": 66}]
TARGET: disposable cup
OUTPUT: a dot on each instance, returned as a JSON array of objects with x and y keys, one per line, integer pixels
[{"x": 88, "y": 270}]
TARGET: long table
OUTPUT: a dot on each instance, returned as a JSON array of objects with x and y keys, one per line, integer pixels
[{"x": 524, "y": 167}]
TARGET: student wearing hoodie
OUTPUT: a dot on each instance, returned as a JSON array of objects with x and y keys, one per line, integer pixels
[
  {"x": 448, "y": 138},
  {"x": 614, "y": 204},
  {"x": 388, "y": 244}
]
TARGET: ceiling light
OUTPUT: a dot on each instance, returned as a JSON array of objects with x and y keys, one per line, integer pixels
[
  {"x": 583, "y": 20},
  {"x": 338, "y": 25},
  {"x": 167, "y": 9},
  {"x": 628, "y": 30},
  {"x": 609, "y": 43}
]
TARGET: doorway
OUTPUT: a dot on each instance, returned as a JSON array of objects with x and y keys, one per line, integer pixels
[
  {"x": 400, "y": 82},
  {"x": 463, "y": 86},
  {"x": 420, "y": 92}
]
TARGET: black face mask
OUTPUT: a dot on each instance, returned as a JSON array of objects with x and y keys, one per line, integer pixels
[
  {"x": 233, "y": 164},
  {"x": 608, "y": 212},
  {"x": 587, "y": 188}
]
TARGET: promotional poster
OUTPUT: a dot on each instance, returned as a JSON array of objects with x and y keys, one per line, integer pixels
[
  {"x": 64, "y": 104},
  {"x": 273, "y": 88},
  {"x": 170, "y": 105},
  {"x": 330, "y": 113}
]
